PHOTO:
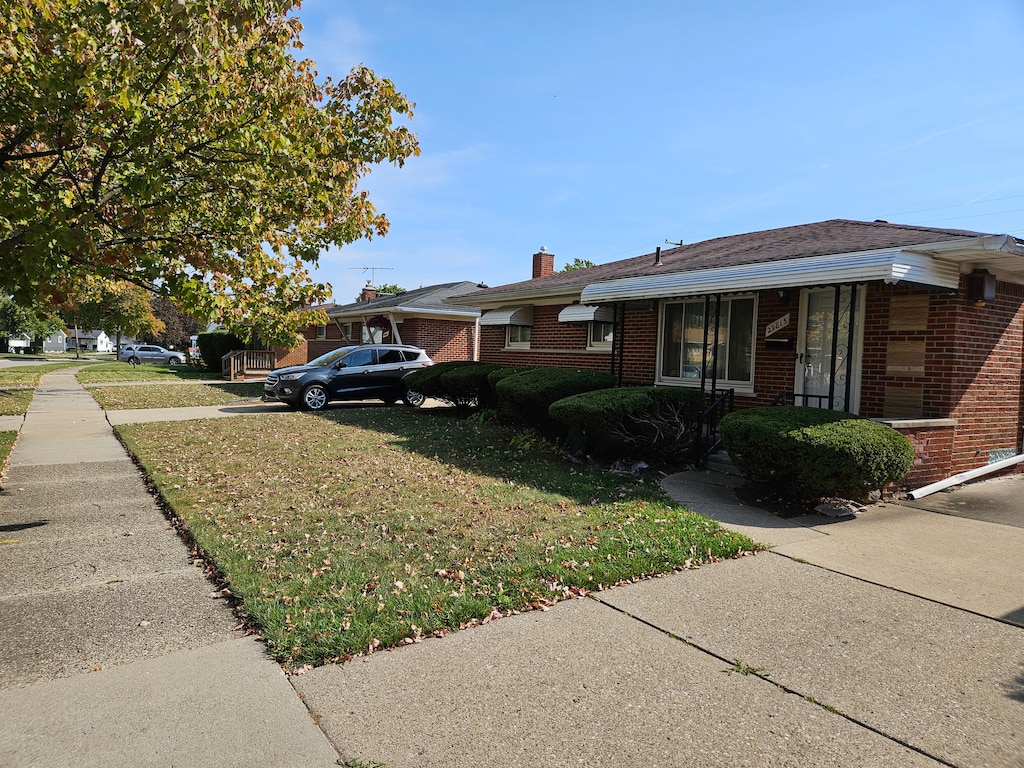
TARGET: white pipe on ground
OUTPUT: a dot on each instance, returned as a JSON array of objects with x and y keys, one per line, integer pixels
[{"x": 963, "y": 477}]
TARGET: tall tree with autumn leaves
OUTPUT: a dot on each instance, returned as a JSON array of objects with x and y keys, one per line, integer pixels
[{"x": 183, "y": 146}]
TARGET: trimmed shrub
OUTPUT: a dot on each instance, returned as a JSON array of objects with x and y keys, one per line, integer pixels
[
  {"x": 466, "y": 386},
  {"x": 527, "y": 395},
  {"x": 809, "y": 452},
  {"x": 503, "y": 373},
  {"x": 427, "y": 381},
  {"x": 657, "y": 424},
  {"x": 214, "y": 345}
]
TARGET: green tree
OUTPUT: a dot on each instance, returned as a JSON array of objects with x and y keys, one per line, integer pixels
[
  {"x": 182, "y": 145},
  {"x": 16, "y": 320},
  {"x": 119, "y": 308},
  {"x": 576, "y": 263}
]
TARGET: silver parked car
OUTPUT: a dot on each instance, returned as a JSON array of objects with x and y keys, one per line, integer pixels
[
  {"x": 366, "y": 372},
  {"x": 150, "y": 353}
]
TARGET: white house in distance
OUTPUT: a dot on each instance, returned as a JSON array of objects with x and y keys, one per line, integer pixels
[{"x": 90, "y": 341}]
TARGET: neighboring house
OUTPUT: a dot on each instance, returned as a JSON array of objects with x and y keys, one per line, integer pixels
[
  {"x": 918, "y": 327},
  {"x": 56, "y": 342},
  {"x": 19, "y": 344},
  {"x": 90, "y": 341},
  {"x": 429, "y": 318}
]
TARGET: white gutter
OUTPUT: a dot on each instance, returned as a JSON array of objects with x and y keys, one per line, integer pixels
[
  {"x": 889, "y": 265},
  {"x": 963, "y": 477},
  {"x": 998, "y": 243}
]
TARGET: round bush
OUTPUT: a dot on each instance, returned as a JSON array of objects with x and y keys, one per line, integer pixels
[{"x": 810, "y": 452}]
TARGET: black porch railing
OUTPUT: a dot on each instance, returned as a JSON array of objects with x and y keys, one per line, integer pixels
[
  {"x": 828, "y": 402},
  {"x": 708, "y": 439}
]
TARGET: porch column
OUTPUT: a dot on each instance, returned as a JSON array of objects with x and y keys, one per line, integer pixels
[
  {"x": 847, "y": 390},
  {"x": 838, "y": 290}
]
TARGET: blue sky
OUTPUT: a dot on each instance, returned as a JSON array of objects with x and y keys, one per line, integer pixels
[{"x": 602, "y": 129}]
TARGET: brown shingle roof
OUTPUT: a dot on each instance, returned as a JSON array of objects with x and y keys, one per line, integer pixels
[{"x": 820, "y": 239}]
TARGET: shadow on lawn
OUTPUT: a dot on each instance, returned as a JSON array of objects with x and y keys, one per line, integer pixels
[{"x": 498, "y": 451}]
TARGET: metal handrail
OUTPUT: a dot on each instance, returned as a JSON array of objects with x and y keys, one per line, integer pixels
[
  {"x": 792, "y": 398},
  {"x": 707, "y": 441}
]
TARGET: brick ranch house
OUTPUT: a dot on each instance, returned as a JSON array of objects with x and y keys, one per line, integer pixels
[
  {"x": 421, "y": 317},
  {"x": 918, "y": 327}
]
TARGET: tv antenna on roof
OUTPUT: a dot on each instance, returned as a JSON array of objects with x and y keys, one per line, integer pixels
[
  {"x": 371, "y": 270},
  {"x": 680, "y": 244}
]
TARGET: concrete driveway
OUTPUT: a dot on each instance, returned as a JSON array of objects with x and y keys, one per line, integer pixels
[{"x": 1000, "y": 501}]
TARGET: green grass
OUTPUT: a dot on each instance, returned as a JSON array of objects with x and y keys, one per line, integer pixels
[
  {"x": 18, "y": 384},
  {"x": 6, "y": 444},
  {"x": 117, "y": 372},
  {"x": 174, "y": 395},
  {"x": 368, "y": 528}
]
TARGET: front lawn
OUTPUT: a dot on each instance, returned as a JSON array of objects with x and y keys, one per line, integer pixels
[
  {"x": 361, "y": 529},
  {"x": 174, "y": 395},
  {"x": 117, "y": 372}
]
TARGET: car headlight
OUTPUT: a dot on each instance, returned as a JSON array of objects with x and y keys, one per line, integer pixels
[{"x": 289, "y": 376}]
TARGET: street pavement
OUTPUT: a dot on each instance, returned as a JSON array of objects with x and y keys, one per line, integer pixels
[{"x": 892, "y": 638}]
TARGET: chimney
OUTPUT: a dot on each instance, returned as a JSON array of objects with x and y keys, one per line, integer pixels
[
  {"x": 369, "y": 292},
  {"x": 543, "y": 263}
]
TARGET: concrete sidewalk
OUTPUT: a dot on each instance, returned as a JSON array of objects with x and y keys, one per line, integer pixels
[
  {"x": 877, "y": 641},
  {"x": 826, "y": 660},
  {"x": 111, "y": 651}
]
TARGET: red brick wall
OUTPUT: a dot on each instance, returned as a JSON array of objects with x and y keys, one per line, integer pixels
[
  {"x": 443, "y": 340},
  {"x": 285, "y": 357},
  {"x": 972, "y": 372},
  {"x": 565, "y": 344},
  {"x": 933, "y": 449},
  {"x": 774, "y": 362},
  {"x": 987, "y": 386}
]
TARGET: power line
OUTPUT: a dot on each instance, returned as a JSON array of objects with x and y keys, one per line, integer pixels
[{"x": 958, "y": 205}]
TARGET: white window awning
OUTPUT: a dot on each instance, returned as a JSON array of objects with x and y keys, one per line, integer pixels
[
  {"x": 582, "y": 313},
  {"x": 890, "y": 266},
  {"x": 508, "y": 316}
]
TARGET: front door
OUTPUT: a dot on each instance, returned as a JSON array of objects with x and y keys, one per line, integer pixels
[{"x": 827, "y": 375}]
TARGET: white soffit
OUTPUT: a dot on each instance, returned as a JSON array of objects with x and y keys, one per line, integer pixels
[
  {"x": 581, "y": 313},
  {"x": 890, "y": 266},
  {"x": 508, "y": 316}
]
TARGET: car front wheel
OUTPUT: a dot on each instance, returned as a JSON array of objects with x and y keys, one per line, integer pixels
[
  {"x": 133, "y": 361},
  {"x": 314, "y": 398},
  {"x": 413, "y": 399}
]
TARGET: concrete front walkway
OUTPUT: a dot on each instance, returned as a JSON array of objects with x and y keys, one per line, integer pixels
[
  {"x": 885, "y": 640},
  {"x": 112, "y": 653}
]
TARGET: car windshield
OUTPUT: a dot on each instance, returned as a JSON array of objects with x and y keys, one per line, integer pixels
[{"x": 330, "y": 358}]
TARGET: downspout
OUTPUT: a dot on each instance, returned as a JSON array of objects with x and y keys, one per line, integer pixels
[
  {"x": 963, "y": 477},
  {"x": 476, "y": 340}
]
